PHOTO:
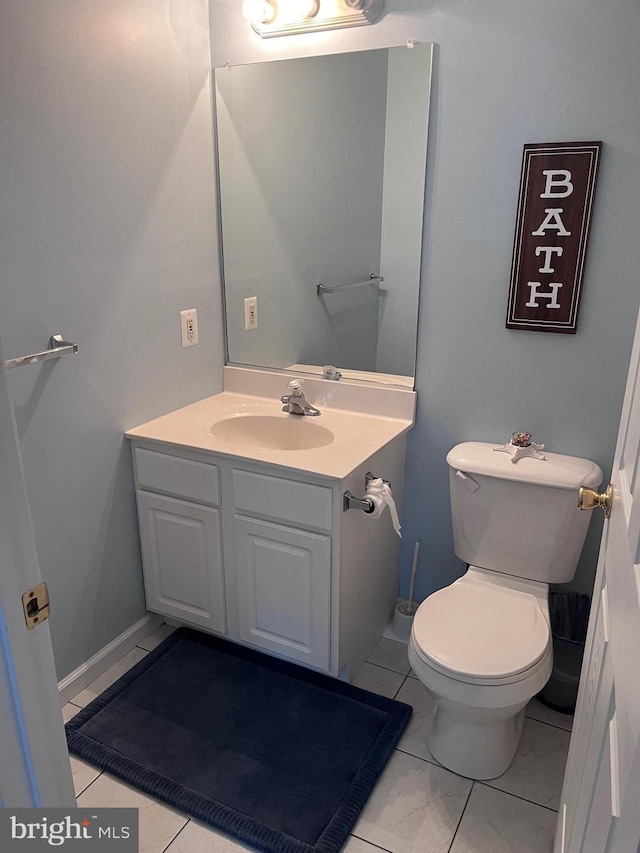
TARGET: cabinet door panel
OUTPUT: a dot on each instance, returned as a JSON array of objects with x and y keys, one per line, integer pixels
[
  {"x": 182, "y": 557},
  {"x": 284, "y": 590}
]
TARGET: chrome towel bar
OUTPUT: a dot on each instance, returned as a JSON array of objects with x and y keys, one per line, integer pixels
[
  {"x": 373, "y": 279},
  {"x": 57, "y": 347}
]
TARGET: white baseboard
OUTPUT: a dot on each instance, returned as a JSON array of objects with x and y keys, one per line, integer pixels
[{"x": 107, "y": 656}]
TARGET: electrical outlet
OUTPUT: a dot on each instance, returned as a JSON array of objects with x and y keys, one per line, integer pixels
[
  {"x": 250, "y": 313},
  {"x": 189, "y": 327}
]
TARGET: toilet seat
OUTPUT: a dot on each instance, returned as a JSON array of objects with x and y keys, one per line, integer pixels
[{"x": 481, "y": 633}]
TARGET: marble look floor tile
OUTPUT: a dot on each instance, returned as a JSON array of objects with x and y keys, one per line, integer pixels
[
  {"x": 83, "y": 774},
  {"x": 197, "y": 837},
  {"x": 158, "y": 636},
  {"x": 537, "y": 770},
  {"x": 107, "y": 678},
  {"x": 414, "y": 739},
  {"x": 415, "y": 807},
  {"x": 392, "y": 654},
  {"x": 158, "y": 823},
  {"x": 495, "y": 822},
  {"x": 537, "y": 711},
  {"x": 357, "y": 845},
  {"x": 377, "y": 679},
  {"x": 69, "y": 711}
]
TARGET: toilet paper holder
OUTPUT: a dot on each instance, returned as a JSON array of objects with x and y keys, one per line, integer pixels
[{"x": 350, "y": 501}]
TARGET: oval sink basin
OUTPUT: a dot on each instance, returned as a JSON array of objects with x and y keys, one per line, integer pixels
[{"x": 274, "y": 432}]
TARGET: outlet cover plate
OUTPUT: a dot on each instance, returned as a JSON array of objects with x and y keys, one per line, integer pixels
[{"x": 189, "y": 327}]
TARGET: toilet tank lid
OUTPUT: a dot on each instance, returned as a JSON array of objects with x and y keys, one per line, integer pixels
[{"x": 556, "y": 470}]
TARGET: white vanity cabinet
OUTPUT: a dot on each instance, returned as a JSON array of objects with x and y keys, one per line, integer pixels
[{"x": 265, "y": 555}]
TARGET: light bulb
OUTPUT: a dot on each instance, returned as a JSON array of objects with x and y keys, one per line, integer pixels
[{"x": 260, "y": 11}]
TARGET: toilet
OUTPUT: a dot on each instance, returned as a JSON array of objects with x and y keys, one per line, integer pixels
[{"x": 482, "y": 646}]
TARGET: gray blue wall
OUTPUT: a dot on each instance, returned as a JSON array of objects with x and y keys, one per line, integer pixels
[
  {"x": 508, "y": 72},
  {"x": 107, "y": 231}
]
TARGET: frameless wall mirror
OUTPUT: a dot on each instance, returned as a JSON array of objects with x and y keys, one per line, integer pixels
[{"x": 321, "y": 173}]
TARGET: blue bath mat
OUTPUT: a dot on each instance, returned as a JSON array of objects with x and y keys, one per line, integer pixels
[{"x": 275, "y": 755}]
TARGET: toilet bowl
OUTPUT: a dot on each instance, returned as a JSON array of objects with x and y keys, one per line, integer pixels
[
  {"x": 482, "y": 649},
  {"x": 482, "y": 646}
]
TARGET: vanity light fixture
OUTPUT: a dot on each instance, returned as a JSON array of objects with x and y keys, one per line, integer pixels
[{"x": 271, "y": 18}]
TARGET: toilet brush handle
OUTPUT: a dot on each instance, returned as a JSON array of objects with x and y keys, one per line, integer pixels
[{"x": 416, "y": 552}]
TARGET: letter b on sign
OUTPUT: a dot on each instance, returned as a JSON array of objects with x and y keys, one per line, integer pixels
[{"x": 557, "y": 178}]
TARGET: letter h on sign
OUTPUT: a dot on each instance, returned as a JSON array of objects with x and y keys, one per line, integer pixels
[{"x": 557, "y": 189}]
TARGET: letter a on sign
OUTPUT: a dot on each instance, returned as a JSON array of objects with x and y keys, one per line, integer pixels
[{"x": 557, "y": 190}]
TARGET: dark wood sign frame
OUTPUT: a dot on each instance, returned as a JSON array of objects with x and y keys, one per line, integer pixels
[{"x": 555, "y": 204}]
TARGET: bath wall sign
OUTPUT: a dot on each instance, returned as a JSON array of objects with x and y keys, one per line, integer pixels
[{"x": 557, "y": 190}]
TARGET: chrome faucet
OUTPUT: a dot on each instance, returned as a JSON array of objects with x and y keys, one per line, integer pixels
[{"x": 295, "y": 402}]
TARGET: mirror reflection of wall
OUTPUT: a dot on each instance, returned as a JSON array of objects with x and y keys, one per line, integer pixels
[{"x": 322, "y": 165}]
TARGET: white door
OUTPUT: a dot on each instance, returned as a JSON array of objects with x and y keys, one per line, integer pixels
[
  {"x": 600, "y": 803},
  {"x": 34, "y": 763}
]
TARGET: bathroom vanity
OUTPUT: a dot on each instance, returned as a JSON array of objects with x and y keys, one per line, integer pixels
[{"x": 242, "y": 522}]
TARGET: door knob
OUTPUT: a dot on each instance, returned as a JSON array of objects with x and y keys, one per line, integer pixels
[{"x": 590, "y": 499}]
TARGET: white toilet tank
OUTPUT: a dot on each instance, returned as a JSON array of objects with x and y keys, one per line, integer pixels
[{"x": 519, "y": 518}]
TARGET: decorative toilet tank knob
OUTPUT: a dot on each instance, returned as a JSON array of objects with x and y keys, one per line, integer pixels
[
  {"x": 521, "y": 439},
  {"x": 520, "y": 446},
  {"x": 590, "y": 499}
]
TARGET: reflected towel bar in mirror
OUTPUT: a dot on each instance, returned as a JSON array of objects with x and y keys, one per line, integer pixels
[
  {"x": 57, "y": 347},
  {"x": 373, "y": 279}
]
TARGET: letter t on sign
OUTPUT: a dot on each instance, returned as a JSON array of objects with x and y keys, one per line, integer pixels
[{"x": 556, "y": 232}]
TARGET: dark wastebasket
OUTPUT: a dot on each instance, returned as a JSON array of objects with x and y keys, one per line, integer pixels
[{"x": 569, "y": 613}]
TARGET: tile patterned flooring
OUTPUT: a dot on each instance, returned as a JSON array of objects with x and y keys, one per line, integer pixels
[{"x": 417, "y": 806}]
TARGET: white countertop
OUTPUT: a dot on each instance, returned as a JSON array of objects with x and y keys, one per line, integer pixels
[{"x": 357, "y": 435}]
